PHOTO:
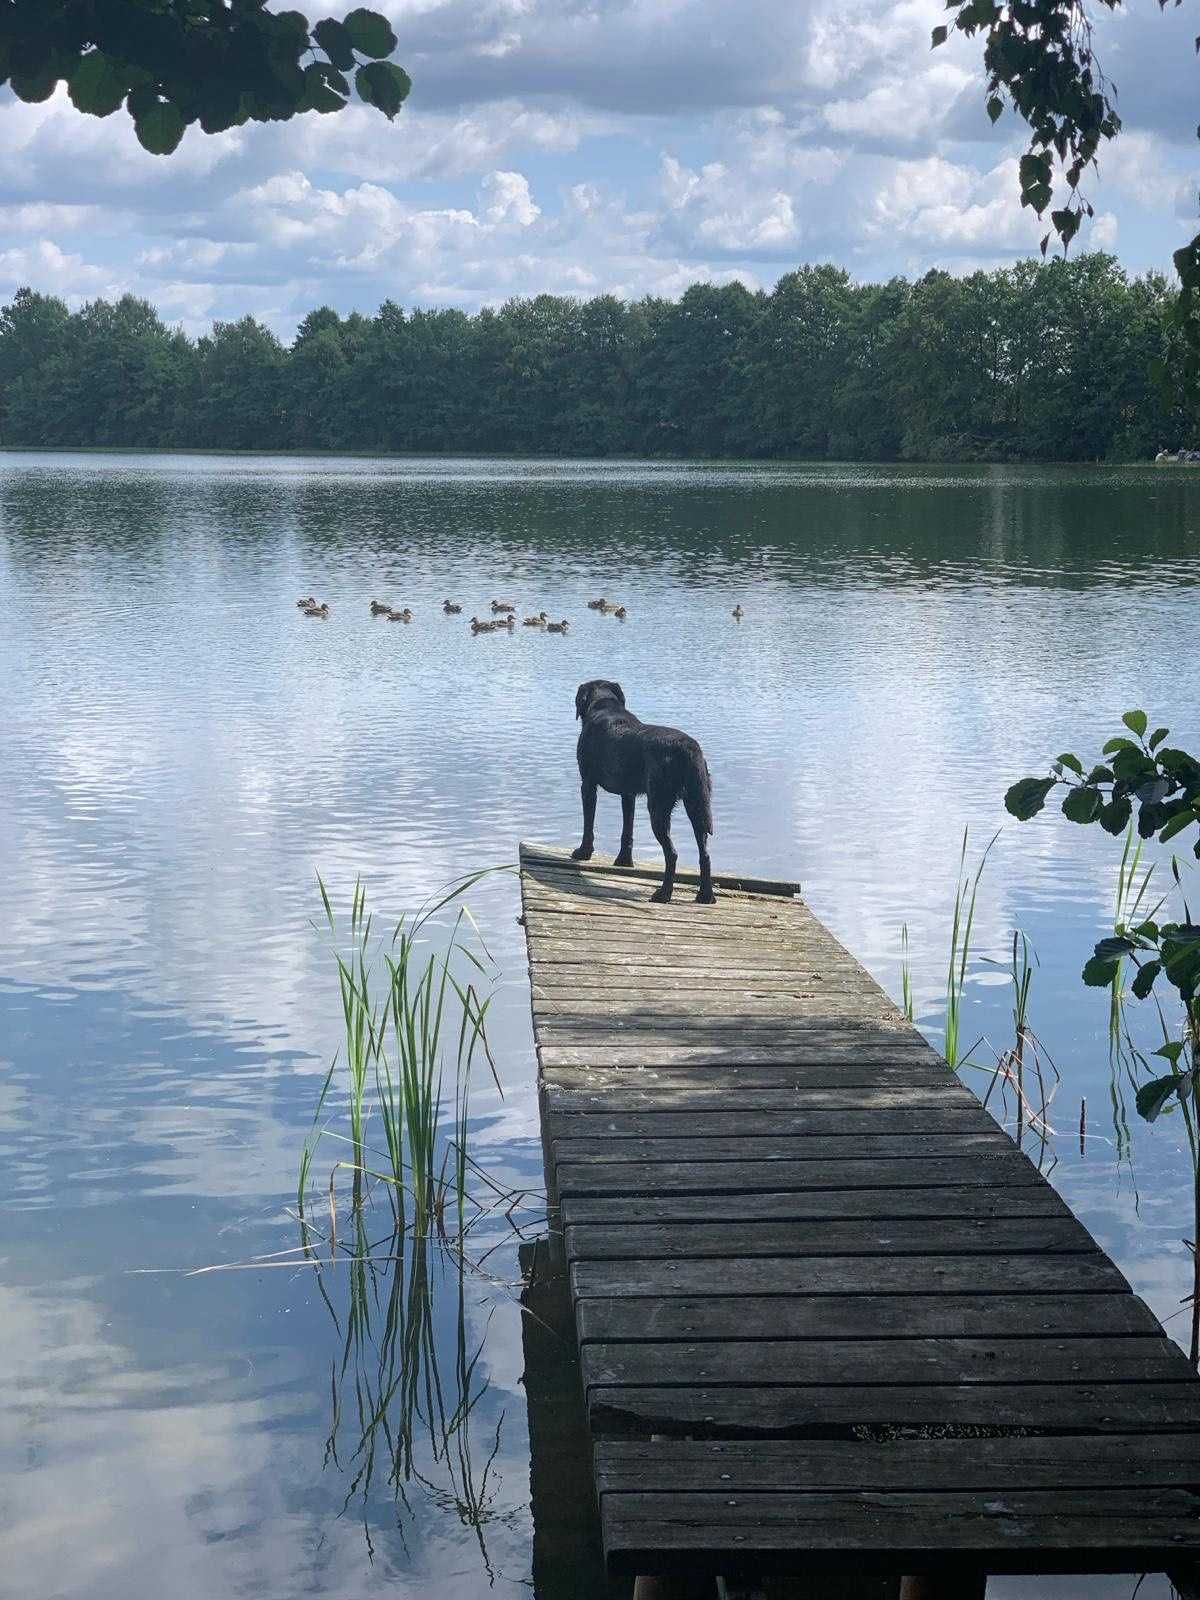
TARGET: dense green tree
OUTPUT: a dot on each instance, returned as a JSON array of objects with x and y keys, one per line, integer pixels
[{"x": 1039, "y": 361}]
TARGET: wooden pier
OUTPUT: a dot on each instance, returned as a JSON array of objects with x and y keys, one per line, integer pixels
[{"x": 830, "y": 1318}]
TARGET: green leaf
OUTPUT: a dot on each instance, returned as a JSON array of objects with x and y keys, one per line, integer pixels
[
  {"x": 383, "y": 85},
  {"x": 1136, "y": 721},
  {"x": 33, "y": 89},
  {"x": 1181, "y": 820},
  {"x": 1073, "y": 762},
  {"x": 1144, "y": 981},
  {"x": 939, "y": 36},
  {"x": 1181, "y": 959},
  {"x": 1114, "y": 817},
  {"x": 1083, "y": 804},
  {"x": 370, "y": 34},
  {"x": 334, "y": 38},
  {"x": 319, "y": 95},
  {"x": 1119, "y": 743},
  {"x": 994, "y": 107},
  {"x": 1098, "y": 973},
  {"x": 97, "y": 86},
  {"x": 1157, "y": 737},
  {"x": 1153, "y": 1097},
  {"x": 1171, "y": 1051},
  {"x": 1100, "y": 775},
  {"x": 160, "y": 128},
  {"x": 1027, "y": 797}
]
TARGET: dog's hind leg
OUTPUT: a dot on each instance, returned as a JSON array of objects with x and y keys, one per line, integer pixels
[
  {"x": 698, "y": 816},
  {"x": 587, "y": 844},
  {"x": 660, "y": 822},
  {"x": 625, "y": 855}
]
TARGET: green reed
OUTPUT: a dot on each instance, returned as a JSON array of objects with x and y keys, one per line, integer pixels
[
  {"x": 400, "y": 1049},
  {"x": 966, "y": 890},
  {"x": 906, "y": 985}
]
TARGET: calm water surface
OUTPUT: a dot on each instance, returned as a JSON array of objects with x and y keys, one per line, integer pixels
[{"x": 181, "y": 752}]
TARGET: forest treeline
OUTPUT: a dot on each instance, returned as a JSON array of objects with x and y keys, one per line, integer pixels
[{"x": 1059, "y": 360}]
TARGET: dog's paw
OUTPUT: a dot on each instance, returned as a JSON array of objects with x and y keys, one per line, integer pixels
[
  {"x": 661, "y": 897},
  {"x": 581, "y": 854},
  {"x": 703, "y": 899},
  {"x": 625, "y": 859}
]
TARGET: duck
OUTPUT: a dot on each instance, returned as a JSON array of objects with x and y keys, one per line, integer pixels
[
  {"x": 620, "y": 613},
  {"x": 536, "y": 622},
  {"x": 309, "y": 600},
  {"x": 608, "y": 607},
  {"x": 738, "y": 613},
  {"x": 597, "y": 605},
  {"x": 508, "y": 622},
  {"x": 483, "y": 627},
  {"x": 502, "y": 608},
  {"x": 450, "y": 608},
  {"x": 400, "y": 616},
  {"x": 316, "y": 610},
  {"x": 557, "y": 627},
  {"x": 380, "y": 608}
]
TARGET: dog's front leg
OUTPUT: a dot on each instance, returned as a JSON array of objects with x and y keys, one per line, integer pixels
[
  {"x": 625, "y": 854},
  {"x": 587, "y": 843}
]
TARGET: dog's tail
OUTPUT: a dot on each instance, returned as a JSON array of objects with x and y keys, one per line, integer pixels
[{"x": 697, "y": 788}]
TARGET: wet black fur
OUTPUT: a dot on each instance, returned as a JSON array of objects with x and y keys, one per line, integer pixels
[{"x": 627, "y": 757}]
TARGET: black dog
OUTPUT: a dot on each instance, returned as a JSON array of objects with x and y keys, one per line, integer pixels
[{"x": 627, "y": 757}]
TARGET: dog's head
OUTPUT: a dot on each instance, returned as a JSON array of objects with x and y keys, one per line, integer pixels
[{"x": 595, "y": 693}]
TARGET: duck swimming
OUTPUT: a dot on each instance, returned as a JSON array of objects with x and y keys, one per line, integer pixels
[
  {"x": 620, "y": 613},
  {"x": 597, "y": 605},
  {"x": 557, "y": 627},
  {"x": 400, "y": 616},
  {"x": 380, "y": 608},
  {"x": 536, "y": 622},
  {"x": 316, "y": 610},
  {"x": 309, "y": 600},
  {"x": 483, "y": 627},
  {"x": 502, "y": 608},
  {"x": 450, "y": 608},
  {"x": 738, "y": 613}
]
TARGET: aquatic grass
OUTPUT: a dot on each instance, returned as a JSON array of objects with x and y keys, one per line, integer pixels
[
  {"x": 400, "y": 1054},
  {"x": 906, "y": 987},
  {"x": 1027, "y": 1053},
  {"x": 966, "y": 890}
]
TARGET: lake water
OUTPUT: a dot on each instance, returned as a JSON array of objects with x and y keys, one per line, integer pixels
[{"x": 181, "y": 751}]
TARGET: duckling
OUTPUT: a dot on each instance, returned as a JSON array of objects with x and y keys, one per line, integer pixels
[
  {"x": 483, "y": 627},
  {"x": 535, "y": 622},
  {"x": 316, "y": 610},
  {"x": 450, "y": 608},
  {"x": 557, "y": 627},
  {"x": 508, "y": 622},
  {"x": 309, "y": 600},
  {"x": 502, "y": 607},
  {"x": 620, "y": 613},
  {"x": 380, "y": 608},
  {"x": 597, "y": 605},
  {"x": 400, "y": 616},
  {"x": 738, "y": 613},
  {"x": 608, "y": 607}
]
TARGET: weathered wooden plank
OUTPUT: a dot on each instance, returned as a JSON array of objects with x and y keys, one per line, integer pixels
[
  {"x": 798, "y": 1046},
  {"x": 881, "y": 1103},
  {"x": 981, "y": 1275},
  {"x": 737, "y": 1466},
  {"x": 948, "y": 1236},
  {"x": 737, "y": 1177},
  {"x": 899, "y": 1071},
  {"x": 716, "y": 1005},
  {"x": 815, "y": 1205},
  {"x": 966, "y": 1116},
  {"x": 901, "y": 1316},
  {"x": 829, "y": 1147},
  {"x": 1101, "y": 1530},
  {"x": 537, "y": 858},
  {"x": 764, "y": 1362},
  {"x": 819, "y": 1411},
  {"x": 628, "y": 1026}
]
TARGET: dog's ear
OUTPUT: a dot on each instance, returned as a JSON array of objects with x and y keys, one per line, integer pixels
[
  {"x": 582, "y": 695},
  {"x": 619, "y": 692}
]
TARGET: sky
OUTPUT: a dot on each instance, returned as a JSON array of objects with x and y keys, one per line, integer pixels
[{"x": 588, "y": 146}]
